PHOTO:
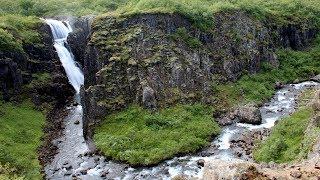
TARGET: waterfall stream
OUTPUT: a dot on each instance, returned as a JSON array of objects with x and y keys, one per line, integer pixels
[
  {"x": 75, "y": 161},
  {"x": 60, "y": 31}
]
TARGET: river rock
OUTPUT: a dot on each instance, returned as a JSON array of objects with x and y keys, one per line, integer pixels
[
  {"x": 296, "y": 174},
  {"x": 249, "y": 114},
  {"x": 316, "y": 78},
  {"x": 236, "y": 169},
  {"x": 200, "y": 162},
  {"x": 278, "y": 85}
]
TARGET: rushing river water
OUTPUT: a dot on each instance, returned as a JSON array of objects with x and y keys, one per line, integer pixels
[{"x": 74, "y": 159}]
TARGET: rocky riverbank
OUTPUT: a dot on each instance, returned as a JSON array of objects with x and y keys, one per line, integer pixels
[{"x": 243, "y": 166}]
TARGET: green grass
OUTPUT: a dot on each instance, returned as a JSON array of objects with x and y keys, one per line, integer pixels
[
  {"x": 8, "y": 173},
  {"x": 21, "y": 130},
  {"x": 285, "y": 141},
  {"x": 200, "y": 11},
  {"x": 140, "y": 137},
  {"x": 16, "y": 31}
]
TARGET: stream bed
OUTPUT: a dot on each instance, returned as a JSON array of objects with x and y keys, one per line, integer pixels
[{"x": 75, "y": 161}]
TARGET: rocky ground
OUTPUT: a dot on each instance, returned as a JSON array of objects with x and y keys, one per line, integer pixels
[{"x": 246, "y": 168}]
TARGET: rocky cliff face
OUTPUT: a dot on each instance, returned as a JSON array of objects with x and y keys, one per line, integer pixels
[
  {"x": 157, "y": 60},
  {"x": 24, "y": 69},
  {"x": 78, "y": 39}
]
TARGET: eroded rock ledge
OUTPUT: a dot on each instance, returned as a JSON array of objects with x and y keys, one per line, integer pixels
[{"x": 157, "y": 60}]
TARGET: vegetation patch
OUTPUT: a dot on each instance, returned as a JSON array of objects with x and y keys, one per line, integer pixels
[
  {"x": 17, "y": 30},
  {"x": 21, "y": 130},
  {"x": 293, "y": 137},
  {"x": 140, "y": 137},
  {"x": 182, "y": 34},
  {"x": 199, "y": 11},
  {"x": 285, "y": 141}
]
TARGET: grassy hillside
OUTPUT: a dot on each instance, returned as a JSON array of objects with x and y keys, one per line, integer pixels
[
  {"x": 21, "y": 130},
  {"x": 289, "y": 139},
  {"x": 286, "y": 10}
]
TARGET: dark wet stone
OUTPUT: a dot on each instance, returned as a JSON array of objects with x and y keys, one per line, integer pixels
[
  {"x": 84, "y": 172},
  {"x": 77, "y": 122},
  {"x": 68, "y": 167},
  {"x": 200, "y": 162},
  {"x": 104, "y": 173},
  {"x": 96, "y": 159},
  {"x": 68, "y": 173},
  {"x": 278, "y": 85}
]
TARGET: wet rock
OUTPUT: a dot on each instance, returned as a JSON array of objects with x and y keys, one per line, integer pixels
[
  {"x": 180, "y": 177},
  {"x": 148, "y": 98},
  {"x": 201, "y": 162},
  {"x": 296, "y": 81},
  {"x": 84, "y": 172},
  {"x": 104, "y": 174},
  {"x": 77, "y": 122},
  {"x": 96, "y": 159},
  {"x": 278, "y": 85},
  {"x": 249, "y": 114},
  {"x": 316, "y": 78},
  {"x": 224, "y": 121},
  {"x": 68, "y": 173},
  {"x": 67, "y": 167},
  {"x": 296, "y": 174}
]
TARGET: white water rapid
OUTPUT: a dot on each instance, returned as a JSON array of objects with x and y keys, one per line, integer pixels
[{"x": 60, "y": 31}]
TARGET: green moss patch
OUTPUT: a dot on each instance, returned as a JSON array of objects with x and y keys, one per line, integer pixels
[
  {"x": 140, "y": 137},
  {"x": 16, "y": 30},
  {"x": 21, "y": 130}
]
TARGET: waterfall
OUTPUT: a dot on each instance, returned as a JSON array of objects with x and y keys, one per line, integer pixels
[{"x": 60, "y": 31}]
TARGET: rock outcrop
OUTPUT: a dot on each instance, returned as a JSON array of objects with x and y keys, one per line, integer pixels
[
  {"x": 77, "y": 39},
  {"x": 248, "y": 113},
  {"x": 28, "y": 69},
  {"x": 157, "y": 60},
  {"x": 10, "y": 78},
  {"x": 167, "y": 58}
]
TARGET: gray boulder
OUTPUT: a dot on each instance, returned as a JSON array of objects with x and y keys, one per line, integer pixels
[
  {"x": 316, "y": 78},
  {"x": 249, "y": 113},
  {"x": 148, "y": 98}
]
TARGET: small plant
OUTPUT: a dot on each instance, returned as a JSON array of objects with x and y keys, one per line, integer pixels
[{"x": 182, "y": 34}]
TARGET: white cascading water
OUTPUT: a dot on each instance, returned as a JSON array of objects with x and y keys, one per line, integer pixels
[{"x": 60, "y": 33}]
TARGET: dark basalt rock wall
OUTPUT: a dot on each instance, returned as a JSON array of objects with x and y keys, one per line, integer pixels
[
  {"x": 20, "y": 69},
  {"x": 78, "y": 38},
  {"x": 157, "y": 60}
]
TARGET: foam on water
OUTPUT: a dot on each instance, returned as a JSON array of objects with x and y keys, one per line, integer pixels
[{"x": 60, "y": 31}]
